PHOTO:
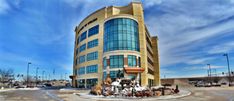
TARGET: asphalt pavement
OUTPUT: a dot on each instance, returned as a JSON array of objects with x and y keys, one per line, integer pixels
[{"x": 27, "y": 95}]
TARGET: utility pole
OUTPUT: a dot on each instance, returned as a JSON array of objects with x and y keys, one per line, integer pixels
[
  {"x": 28, "y": 72},
  {"x": 49, "y": 77},
  {"x": 37, "y": 76},
  {"x": 228, "y": 68},
  {"x": 43, "y": 72},
  {"x": 209, "y": 73},
  {"x": 54, "y": 73},
  {"x": 65, "y": 76}
]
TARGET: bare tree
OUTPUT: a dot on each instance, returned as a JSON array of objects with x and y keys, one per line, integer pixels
[{"x": 6, "y": 75}]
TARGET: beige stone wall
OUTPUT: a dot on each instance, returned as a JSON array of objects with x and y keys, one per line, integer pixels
[
  {"x": 157, "y": 80},
  {"x": 134, "y": 11}
]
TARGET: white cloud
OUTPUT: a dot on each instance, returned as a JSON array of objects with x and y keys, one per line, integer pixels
[
  {"x": 149, "y": 3},
  {"x": 183, "y": 29},
  {"x": 222, "y": 48},
  {"x": 4, "y": 6},
  {"x": 205, "y": 67}
]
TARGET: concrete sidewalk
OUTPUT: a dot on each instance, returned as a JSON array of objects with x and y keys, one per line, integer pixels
[{"x": 182, "y": 93}]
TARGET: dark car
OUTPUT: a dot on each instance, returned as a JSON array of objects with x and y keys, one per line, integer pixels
[{"x": 48, "y": 85}]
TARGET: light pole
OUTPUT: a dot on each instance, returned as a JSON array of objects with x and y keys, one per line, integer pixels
[
  {"x": 209, "y": 73},
  {"x": 43, "y": 72},
  {"x": 49, "y": 77},
  {"x": 28, "y": 72},
  {"x": 65, "y": 76},
  {"x": 228, "y": 68},
  {"x": 37, "y": 75}
]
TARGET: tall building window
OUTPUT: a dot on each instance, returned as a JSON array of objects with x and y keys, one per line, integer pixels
[
  {"x": 77, "y": 51},
  {"x": 121, "y": 34},
  {"x": 81, "y": 83},
  {"x": 81, "y": 71},
  {"x": 94, "y": 30},
  {"x": 92, "y": 69},
  {"x": 91, "y": 82},
  {"x": 132, "y": 62},
  {"x": 82, "y": 59},
  {"x": 76, "y": 61},
  {"x": 113, "y": 74},
  {"x": 117, "y": 61},
  {"x": 82, "y": 47},
  {"x": 93, "y": 43},
  {"x": 77, "y": 41},
  {"x": 104, "y": 63},
  {"x": 139, "y": 61},
  {"x": 83, "y": 36},
  {"x": 104, "y": 75},
  {"x": 92, "y": 56}
]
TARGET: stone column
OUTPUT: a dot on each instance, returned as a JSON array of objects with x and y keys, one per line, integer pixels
[
  {"x": 108, "y": 66},
  {"x": 125, "y": 64}
]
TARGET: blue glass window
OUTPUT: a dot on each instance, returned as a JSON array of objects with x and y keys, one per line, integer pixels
[
  {"x": 76, "y": 61},
  {"x": 113, "y": 74},
  {"x": 81, "y": 83},
  {"x": 139, "y": 61},
  {"x": 82, "y": 47},
  {"x": 83, "y": 36},
  {"x": 91, "y": 82},
  {"x": 93, "y": 43},
  {"x": 77, "y": 41},
  {"x": 92, "y": 56},
  {"x": 77, "y": 50},
  {"x": 121, "y": 34},
  {"x": 132, "y": 62},
  {"x": 92, "y": 69},
  {"x": 116, "y": 61},
  {"x": 104, "y": 75},
  {"x": 94, "y": 30},
  {"x": 81, "y": 71},
  {"x": 104, "y": 63},
  {"x": 82, "y": 59}
]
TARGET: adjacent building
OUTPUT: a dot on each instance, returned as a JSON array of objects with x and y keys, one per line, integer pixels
[{"x": 114, "y": 39}]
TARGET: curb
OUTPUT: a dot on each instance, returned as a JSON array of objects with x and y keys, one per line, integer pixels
[{"x": 92, "y": 97}]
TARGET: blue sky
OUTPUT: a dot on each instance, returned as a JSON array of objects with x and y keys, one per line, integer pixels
[{"x": 192, "y": 33}]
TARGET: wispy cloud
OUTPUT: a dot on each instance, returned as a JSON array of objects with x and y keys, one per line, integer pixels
[
  {"x": 4, "y": 6},
  {"x": 222, "y": 48},
  {"x": 187, "y": 28},
  {"x": 202, "y": 67},
  {"x": 150, "y": 3}
]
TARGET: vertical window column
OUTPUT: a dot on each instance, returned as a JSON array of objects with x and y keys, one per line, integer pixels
[
  {"x": 108, "y": 65},
  {"x": 125, "y": 60}
]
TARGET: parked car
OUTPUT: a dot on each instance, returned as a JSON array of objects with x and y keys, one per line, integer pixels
[
  {"x": 167, "y": 84},
  {"x": 21, "y": 86},
  {"x": 200, "y": 84},
  {"x": 47, "y": 85}
]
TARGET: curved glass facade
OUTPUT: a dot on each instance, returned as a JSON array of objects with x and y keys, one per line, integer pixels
[{"x": 121, "y": 34}]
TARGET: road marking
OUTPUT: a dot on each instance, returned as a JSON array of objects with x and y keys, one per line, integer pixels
[{"x": 53, "y": 96}]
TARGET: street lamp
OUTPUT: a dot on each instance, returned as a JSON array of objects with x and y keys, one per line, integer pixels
[
  {"x": 28, "y": 72},
  {"x": 43, "y": 72},
  {"x": 228, "y": 67},
  {"x": 65, "y": 76},
  {"x": 36, "y": 75},
  {"x": 209, "y": 73}
]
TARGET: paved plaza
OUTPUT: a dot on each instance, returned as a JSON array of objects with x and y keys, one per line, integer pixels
[{"x": 198, "y": 94}]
